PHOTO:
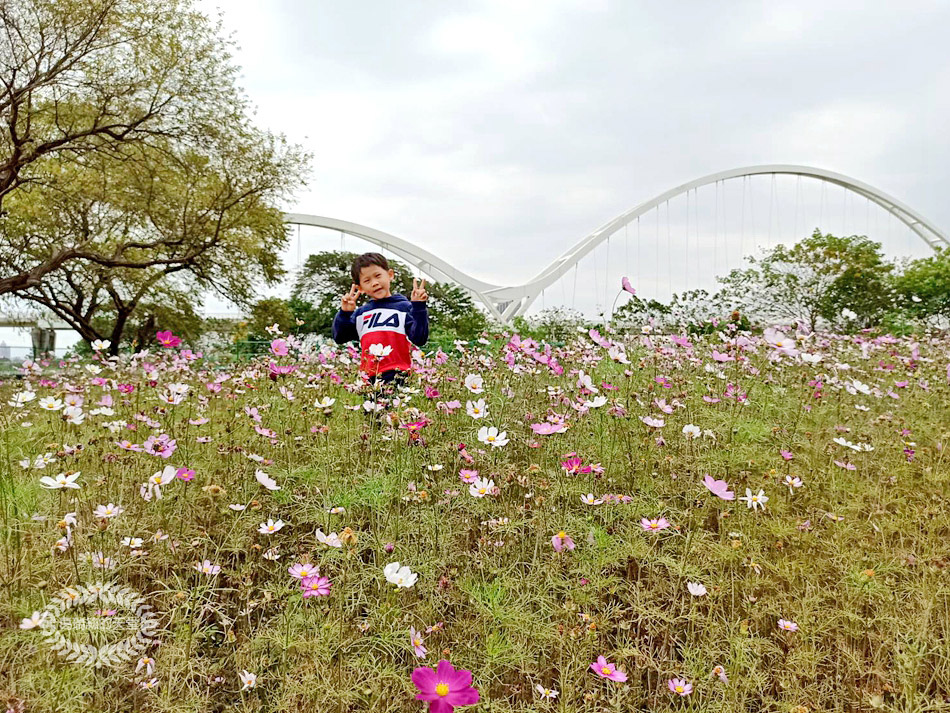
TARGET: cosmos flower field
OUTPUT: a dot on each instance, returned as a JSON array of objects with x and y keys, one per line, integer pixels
[{"x": 647, "y": 522}]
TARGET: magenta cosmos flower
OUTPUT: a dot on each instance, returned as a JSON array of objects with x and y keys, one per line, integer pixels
[
  {"x": 167, "y": 339},
  {"x": 654, "y": 525},
  {"x": 444, "y": 687},
  {"x": 562, "y": 541},
  {"x": 315, "y": 586},
  {"x": 607, "y": 670}
]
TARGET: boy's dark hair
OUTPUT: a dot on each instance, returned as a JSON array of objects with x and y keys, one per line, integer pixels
[{"x": 365, "y": 260}]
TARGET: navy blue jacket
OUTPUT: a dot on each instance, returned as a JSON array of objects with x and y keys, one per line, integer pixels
[{"x": 392, "y": 322}]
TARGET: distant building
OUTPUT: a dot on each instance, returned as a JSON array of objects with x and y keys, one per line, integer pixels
[{"x": 4, "y": 350}]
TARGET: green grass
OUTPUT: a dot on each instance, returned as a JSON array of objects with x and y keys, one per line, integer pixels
[{"x": 870, "y": 592}]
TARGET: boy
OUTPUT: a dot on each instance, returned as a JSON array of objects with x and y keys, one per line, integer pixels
[{"x": 387, "y": 320}]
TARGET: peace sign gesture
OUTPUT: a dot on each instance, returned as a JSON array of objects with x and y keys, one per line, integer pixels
[
  {"x": 348, "y": 303},
  {"x": 419, "y": 293}
]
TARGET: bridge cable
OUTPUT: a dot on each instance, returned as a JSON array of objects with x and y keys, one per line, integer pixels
[
  {"x": 742, "y": 222},
  {"x": 716, "y": 233},
  {"x": 771, "y": 201},
  {"x": 669, "y": 252},
  {"x": 687, "y": 241}
]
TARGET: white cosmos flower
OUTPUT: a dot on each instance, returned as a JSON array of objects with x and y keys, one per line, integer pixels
[
  {"x": 50, "y": 403},
  {"x": 380, "y": 350},
  {"x": 60, "y": 481},
  {"x": 596, "y": 402},
  {"x": 153, "y": 487},
  {"x": 696, "y": 589},
  {"x": 793, "y": 481},
  {"x": 481, "y": 487},
  {"x": 133, "y": 542},
  {"x": 473, "y": 382},
  {"x": 107, "y": 511},
  {"x": 100, "y": 344},
  {"x": 755, "y": 501},
  {"x": 584, "y": 382},
  {"x": 325, "y": 402},
  {"x": 33, "y": 621},
  {"x": 74, "y": 415},
  {"x": 100, "y": 561},
  {"x": 589, "y": 499},
  {"x": 546, "y": 692},
  {"x": 270, "y": 527},
  {"x": 248, "y": 679},
  {"x": 266, "y": 480},
  {"x": 691, "y": 431},
  {"x": 400, "y": 576},
  {"x": 618, "y": 355},
  {"x": 476, "y": 409},
  {"x": 331, "y": 540},
  {"x": 21, "y": 398},
  {"x": 207, "y": 567},
  {"x": 491, "y": 436}
]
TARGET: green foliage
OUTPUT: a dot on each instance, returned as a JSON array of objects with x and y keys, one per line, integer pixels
[
  {"x": 924, "y": 286},
  {"x": 816, "y": 279}
]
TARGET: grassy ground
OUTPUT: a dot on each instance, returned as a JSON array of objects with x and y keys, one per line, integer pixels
[{"x": 857, "y": 558}]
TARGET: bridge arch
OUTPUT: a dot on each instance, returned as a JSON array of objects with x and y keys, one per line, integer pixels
[{"x": 506, "y": 302}]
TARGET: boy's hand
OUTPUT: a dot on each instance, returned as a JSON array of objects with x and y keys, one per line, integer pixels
[
  {"x": 419, "y": 293},
  {"x": 348, "y": 303}
]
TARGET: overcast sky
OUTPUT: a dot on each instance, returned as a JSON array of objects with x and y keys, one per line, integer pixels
[{"x": 497, "y": 133}]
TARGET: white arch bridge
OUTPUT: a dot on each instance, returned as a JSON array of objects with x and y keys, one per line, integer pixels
[{"x": 506, "y": 302}]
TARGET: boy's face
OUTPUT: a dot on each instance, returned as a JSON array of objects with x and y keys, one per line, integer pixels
[{"x": 374, "y": 281}]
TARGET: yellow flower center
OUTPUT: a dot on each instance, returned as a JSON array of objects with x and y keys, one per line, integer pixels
[
  {"x": 491, "y": 438},
  {"x": 561, "y": 535},
  {"x": 679, "y": 689},
  {"x": 606, "y": 671},
  {"x": 442, "y": 689}
]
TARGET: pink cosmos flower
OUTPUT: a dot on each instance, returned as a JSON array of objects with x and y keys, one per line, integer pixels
[
  {"x": 787, "y": 455},
  {"x": 786, "y": 625},
  {"x": 719, "y": 488},
  {"x": 302, "y": 571},
  {"x": 846, "y": 466},
  {"x": 167, "y": 339},
  {"x": 315, "y": 586},
  {"x": 680, "y": 686},
  {"x": 185, "y": 474},
  {"x": 546, "y": 429},
  {"x": 278, "y": 347},
  {"x": 654, "y": 525},
  {"x": 468, "y": 476},
  {"x": 444, "y": 687},
  {"x": 562, "y": 541},
  {"x": 653, "y": 422},
  {"x": 625, "y": 283},
  {"x": 415, "y": 638},
  {"x": 607, "y": 670}
]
